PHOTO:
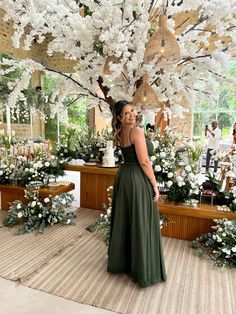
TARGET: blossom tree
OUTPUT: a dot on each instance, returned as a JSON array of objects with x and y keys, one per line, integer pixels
[{"x": 114, "y": 33}]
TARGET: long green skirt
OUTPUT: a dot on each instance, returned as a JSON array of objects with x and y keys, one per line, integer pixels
[{"x": 135, "y": 244}]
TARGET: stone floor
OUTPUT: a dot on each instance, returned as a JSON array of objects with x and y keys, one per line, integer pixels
[{"x": 18, "y": 299}]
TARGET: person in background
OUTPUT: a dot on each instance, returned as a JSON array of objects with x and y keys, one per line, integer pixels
[
  {"x": 234, "y": 133},
  {"x": 213, "y": 135},
  {"x": 150, "y": 131}
]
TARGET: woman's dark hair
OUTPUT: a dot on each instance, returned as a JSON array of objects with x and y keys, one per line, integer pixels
[
  {"x": 234, "y": 131},
  {"x": 116, "y": 123},
  {"x": 150, "y": 127}
]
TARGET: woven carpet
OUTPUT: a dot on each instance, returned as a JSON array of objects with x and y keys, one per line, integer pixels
[{"x": 70, "y": 262}]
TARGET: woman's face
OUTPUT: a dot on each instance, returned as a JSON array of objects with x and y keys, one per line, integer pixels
[{"x": 128, "y": 115}]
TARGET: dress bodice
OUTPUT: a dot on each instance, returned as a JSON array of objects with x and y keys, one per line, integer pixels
[{"x": 129, "y": 152}]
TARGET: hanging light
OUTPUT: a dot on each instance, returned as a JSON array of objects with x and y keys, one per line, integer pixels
[
  {"x": 145, "y": 95},
  {"x": 162, "y": 45}
]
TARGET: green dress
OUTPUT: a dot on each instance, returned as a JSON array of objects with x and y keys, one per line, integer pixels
[{"x": 135, "y": 244}]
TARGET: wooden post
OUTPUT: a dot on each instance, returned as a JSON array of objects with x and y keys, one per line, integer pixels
[{"x": 160, "y": 122}]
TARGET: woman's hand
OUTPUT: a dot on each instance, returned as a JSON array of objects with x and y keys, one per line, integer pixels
[{"x": 156, "y": 194}]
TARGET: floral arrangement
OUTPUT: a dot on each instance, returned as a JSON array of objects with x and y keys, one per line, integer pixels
[
  {"x": 67, "y": 148},
  {"x": 189, "y": 153},
  {"x": 102, "y": 225},
  {"x": 39, "y": 169},
  {"x": 185, "y": 186},
  {"x": 7, "y": 140},
  {"x": 219, "y": 245},
  {"x": 90, "y": 146},
  {"x": 227, "y": 162},
  {"x": 39, "y": 213},
  {"x": 163, "y": 159}
]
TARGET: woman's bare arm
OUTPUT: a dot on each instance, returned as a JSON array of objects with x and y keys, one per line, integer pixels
[{"x": 138, "y": 139}]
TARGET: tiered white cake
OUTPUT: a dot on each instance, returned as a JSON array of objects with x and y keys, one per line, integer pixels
[{"x": 108, "y": 159}]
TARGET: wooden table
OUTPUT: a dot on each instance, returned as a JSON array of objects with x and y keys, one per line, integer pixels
[
  {"x": 94, "y": 182},
  {"x": 190, "y": 222},
  {"x": 10, "y": 193}
]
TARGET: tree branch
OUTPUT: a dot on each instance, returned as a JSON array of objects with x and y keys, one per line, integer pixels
[
  {"x": 198, "y": 57},
  {"x": 181, "y": 23},
  {"x": 197, "y": 90},
  {"x": 106, "y": 100},
  {"x": 201, "y": 19}
]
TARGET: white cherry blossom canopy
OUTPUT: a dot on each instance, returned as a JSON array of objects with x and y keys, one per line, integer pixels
[{"x": 88, "y": 32}]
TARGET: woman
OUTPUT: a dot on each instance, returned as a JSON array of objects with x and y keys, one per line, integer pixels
[
  {"x": 135, "y": 244},
  {"x": 234, "y": 133}
]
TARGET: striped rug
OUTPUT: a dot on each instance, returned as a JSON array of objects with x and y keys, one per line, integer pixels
[{"x": 71, "y": 262}]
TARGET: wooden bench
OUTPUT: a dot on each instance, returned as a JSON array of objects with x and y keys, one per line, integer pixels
[
  {"x": 190, "y": 222},
  {"x": 10, "y": 193}
]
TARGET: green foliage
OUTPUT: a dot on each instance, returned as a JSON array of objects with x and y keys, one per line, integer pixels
[
  {"x": 98, "y": 46},
  {"x": 178, "y": 193},
  {"x": 212, "y": 183},
  {"x": 224, "y": 110},
  {"x": 89, "y": 146},
  {"x": 102, "y": 225},
  {"x": 220, "y": 245},
  {"x": 39, "y": 213}
]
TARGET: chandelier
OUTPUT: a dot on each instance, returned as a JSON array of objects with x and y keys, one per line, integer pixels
[
  {"x": 162, "y": 45},
  {"x": 145, "y": 95}
]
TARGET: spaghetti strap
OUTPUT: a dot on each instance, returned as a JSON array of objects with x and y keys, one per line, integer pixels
[{"x": 129, "y": 136}]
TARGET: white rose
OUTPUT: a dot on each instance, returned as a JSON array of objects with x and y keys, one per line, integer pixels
[
  {"x": 40, "y": 215},
  {"x": 169, "y": 183},
  {"x": 1, "y": 172},
  {"x": 188, "y": 168},
  {"x": 191, "y": 176},
  {"x": 170, "y": 175},
  {"x": 47, "y": 164},
  {"x": 46, "y": 200},
  {"x": 40, "y": 165},
  {"x": 233, "y": 249},
  {"x": 33, "y": 204},
  {"x": 179, "y": 179},
  {"x": 63, "y": 202},
  {"x": 18, "y": 206},
  {"x": 153, "y": 158},
  {"x": 20, "y": 214},
  {"x": 157, "y": 168},
  {"x": 162, "y": 154}
]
